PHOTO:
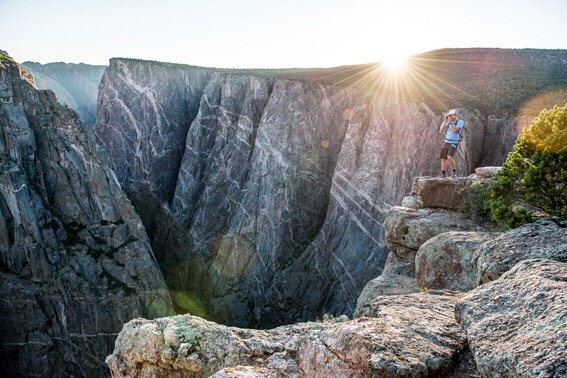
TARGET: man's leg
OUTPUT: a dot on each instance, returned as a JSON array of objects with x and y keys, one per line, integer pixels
[
  {"x": 443, "y": 157},
  {"x": 452, "y": 164}
]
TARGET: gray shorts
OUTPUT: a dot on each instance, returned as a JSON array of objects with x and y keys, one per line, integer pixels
[{"x": 448, "y": 150}]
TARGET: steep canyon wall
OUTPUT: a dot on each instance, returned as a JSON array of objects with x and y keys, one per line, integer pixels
[
  {"x": 264, "y": 197},
  {"x": 75, "y": 260}
]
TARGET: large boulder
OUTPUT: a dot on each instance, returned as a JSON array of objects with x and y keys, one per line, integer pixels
[
  {"x": 406, "y": 230},
  {"x": 440, "y": 192},
  {"x": 445, "y": 261},
  {"x": 517, "y": 325},
  {"x": 410, "y": 228},
  {"x": 445, "y": 193},
  {"x": 375, "y": 345},
  {"x": 545, "y": 239},
  {"x": 486, "y": 172}
]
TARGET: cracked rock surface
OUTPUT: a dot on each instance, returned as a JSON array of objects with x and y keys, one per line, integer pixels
[{"x": 544, "y": 239}]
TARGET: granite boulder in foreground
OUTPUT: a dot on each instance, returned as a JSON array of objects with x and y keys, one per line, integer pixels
[
  {"x": 517, "y": 325},
  {"x": 374, "y": 345},
  {"x": 544, "y": 239},
  {"x": 444, "y": 261}
]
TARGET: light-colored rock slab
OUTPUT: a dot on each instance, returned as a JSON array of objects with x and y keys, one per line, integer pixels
[{"x": 374, "y": 345}]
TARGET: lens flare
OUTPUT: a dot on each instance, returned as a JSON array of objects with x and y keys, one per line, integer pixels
[
  {"x": 533, "y": 107},
  {"x": 233, "y": 256}
]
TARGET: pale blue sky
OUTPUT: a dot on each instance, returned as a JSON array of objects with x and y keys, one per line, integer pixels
[{"x": 271, "y": 34}]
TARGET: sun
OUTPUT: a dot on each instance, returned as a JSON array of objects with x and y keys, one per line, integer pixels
[{"x": 395, "y": 62}]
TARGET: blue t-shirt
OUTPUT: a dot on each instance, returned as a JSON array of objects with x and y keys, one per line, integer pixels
[{"x": 451, "y": 137}]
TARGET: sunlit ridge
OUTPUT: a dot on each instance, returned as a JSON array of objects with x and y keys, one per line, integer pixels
[
  {"x": 441, "y": 81},
  {"x": 403, "y": 77}
]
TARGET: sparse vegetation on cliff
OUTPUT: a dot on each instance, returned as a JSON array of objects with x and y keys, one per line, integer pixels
[
  {"x": 533, "y": 180},
  {"x": 5, "y": 58}
]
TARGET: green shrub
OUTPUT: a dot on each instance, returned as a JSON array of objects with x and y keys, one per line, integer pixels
[
  {"x": 533, "y": 180},
  {"x": 476, "y": 203}
]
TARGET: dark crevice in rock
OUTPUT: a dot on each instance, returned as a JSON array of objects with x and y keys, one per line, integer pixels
[{"x": 464, "y": 366}]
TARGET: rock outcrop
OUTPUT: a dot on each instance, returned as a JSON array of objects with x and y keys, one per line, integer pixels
[
  {"x": 439, "y": 193},
  {"x": 75, "y": 261},
  {"x": 374, "y": 345},
  {"x": 446, "y": 261},
  {"x": 431, "y": 240},
  {"x": 544, "y": 239},
  {"x": 516, "y": 325},
  {"x": 408, "y": 228},
  {"x": 76, "y": 85}
]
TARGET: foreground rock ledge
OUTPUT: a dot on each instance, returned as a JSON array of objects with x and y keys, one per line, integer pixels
[
  {"x": 408, "y": 335},
  {"x": 517, "y": 325}
]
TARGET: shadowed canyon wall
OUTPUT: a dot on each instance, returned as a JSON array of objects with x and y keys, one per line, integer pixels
[{"x": 75, "y": 260}]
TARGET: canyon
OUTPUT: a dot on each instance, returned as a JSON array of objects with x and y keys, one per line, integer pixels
[
  {"x": 253, "y": 198},
  {"x": 76, "y": 85},
  {"x": 264, "y": 192}
]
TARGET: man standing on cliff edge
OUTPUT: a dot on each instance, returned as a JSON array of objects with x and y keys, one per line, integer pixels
[{"x": 452, "y": 127}]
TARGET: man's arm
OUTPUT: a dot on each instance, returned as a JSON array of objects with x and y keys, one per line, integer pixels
[
  {"x": 443, "y": 126},
  {"x": 458, "y": 124}
]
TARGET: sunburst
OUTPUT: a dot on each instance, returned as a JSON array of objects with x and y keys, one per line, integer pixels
[{"x": 395, "y": 62}]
